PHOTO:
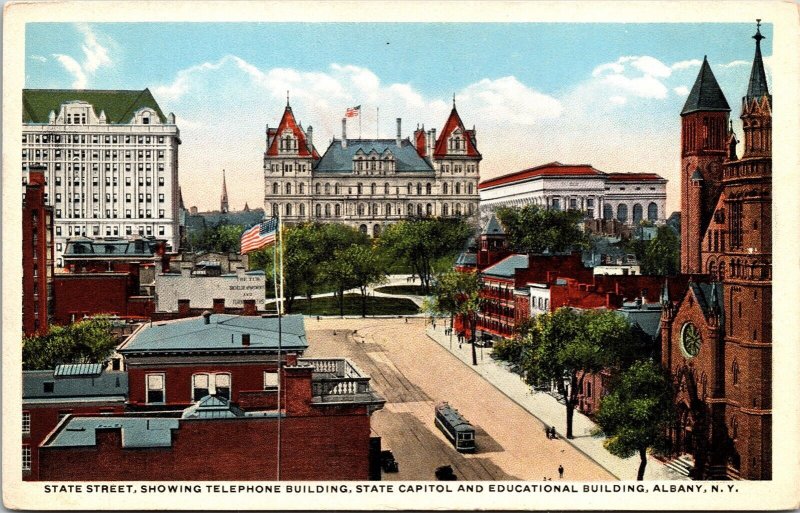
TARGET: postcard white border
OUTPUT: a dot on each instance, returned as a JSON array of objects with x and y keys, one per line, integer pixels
[{"x": 780, "y": 493}]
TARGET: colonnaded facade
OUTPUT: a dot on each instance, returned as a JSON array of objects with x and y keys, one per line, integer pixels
[
  {"x": 370, "y": 183},
  {"x": 628, "y": 197}
]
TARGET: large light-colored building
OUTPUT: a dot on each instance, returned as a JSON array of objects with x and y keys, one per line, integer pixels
[
  {"x": 369, "y": 183},
  {"x": 111, "y": 161},
  {"x": 628, "y": 197}
]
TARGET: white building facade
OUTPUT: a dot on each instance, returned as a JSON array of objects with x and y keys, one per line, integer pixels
[
  {"x": 629, "y": 197},
  {"x": 370, "y": 183},
  {"x": 111, "y": 159},
  {"x": 202, "y": 289}
]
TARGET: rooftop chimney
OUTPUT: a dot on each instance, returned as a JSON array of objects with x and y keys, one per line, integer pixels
[
  {"x": 206, "y": 317},
  {"x": 344, "y": 132},
  {"x": 245, "y": 339},
  {"x": 310, "y": 138},
  {"x": 397, "y": 140}
]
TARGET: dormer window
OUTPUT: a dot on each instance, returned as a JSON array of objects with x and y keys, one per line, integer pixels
[{"x": 457, "y": 143}]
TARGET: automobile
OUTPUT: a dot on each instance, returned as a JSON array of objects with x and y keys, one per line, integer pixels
[
  {"x": 388, "y": 463},
  {"x": 445, "y": 473}
]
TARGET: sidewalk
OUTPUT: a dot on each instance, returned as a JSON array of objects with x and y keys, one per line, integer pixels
[{"x": 552, "y": 413}]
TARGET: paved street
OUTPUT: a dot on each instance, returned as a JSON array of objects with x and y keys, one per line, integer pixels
[
  {"x": 551, "y": 412},
  {"x": 413, "y": 373}
]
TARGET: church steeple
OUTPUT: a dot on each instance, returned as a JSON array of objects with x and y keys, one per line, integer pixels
[
  {"x": 706, "y": 95},
  {"x": 757, "y": 87},
  {"x": 223, "y": 206}
]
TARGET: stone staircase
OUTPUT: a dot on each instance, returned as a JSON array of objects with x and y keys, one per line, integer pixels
[{"x": 683, "y": 465}]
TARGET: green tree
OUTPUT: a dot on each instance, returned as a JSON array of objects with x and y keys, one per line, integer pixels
[
  {"x": 566, "y": 345},
  {"x": 457, "y": 294},
  {"x": 307, "y": 248},
  {"x": 365, "y": 267},
  {"x": 662, "y": 255},
  {"x": 423, "y": 243},
  {"x": 532, "y": 229},
  {"x": 87, "y": 341},
  {"x": 219, "y": 238},
  {"x": 635, "y": 415}
]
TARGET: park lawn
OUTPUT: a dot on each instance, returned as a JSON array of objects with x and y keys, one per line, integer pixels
[
  {"x": 402, "y": 290},
  {"x": 329, "y": 305}
]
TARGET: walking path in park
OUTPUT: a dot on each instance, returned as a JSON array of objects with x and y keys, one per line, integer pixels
[{"x": 547, "y": 409}]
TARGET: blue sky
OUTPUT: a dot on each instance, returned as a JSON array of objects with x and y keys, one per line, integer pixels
[{"x": 605, "y": 94}]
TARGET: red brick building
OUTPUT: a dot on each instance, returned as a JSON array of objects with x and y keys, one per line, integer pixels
[
  {"x": 50, "y": 395},
  {"x": 110, "y": 276},
  {"x": 717, "y": 340},
  {"x": 202, "y": 393},
  {"x": 37, "y": 254}
]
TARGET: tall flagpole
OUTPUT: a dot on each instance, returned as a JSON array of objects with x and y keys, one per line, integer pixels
[{"x": 280, "y": 344}]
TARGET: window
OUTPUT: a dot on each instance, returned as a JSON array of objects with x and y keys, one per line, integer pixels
[
  {"x": 556, "y": 204},
  {"x": 26, "y": 422},
  {"x": 160, "y": 180},
  {"x": 222, "y": 384},
  {"x": 155, "y": 388},
  {"x": 622, "y": 212},
  {"x": 48, "y": 387},
  {"x": 270, "y": 380},
  {"x": 26, "y": 457},
  {"x": 637, "y": 213},
  {"x": 652, "y": 212},
  {"x": 608, "y": 211},
  {"x": 200, "y": 386}
]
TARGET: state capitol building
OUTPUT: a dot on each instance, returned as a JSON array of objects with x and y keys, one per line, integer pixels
[{"x": 369, "y": 183}]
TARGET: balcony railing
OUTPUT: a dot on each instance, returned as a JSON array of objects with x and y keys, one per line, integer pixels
[{"x": 337, "y": 380}]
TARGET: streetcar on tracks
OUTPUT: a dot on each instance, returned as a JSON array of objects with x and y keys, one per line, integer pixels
[{"x": 455, "y": 427}]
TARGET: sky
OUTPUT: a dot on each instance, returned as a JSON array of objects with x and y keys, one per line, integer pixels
[{"x": 608, "y": 95}]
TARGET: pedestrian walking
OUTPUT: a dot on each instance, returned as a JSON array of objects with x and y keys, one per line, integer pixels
[{"x": 560, "y": 472}]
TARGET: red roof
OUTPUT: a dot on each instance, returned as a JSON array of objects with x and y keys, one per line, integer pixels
[
  {"x": 288, "y": 121},
  {"x": 453, "y": 122},
  {"x": 420, "y": 141},
  {"x": 551, "y": 169},
  {"x": 633, "y": 177}
]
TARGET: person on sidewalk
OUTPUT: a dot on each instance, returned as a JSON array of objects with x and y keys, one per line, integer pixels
[{"x": 560, "y": 472}]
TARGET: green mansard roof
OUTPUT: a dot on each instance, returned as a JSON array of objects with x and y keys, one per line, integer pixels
[{"x": 119, "y": 105}]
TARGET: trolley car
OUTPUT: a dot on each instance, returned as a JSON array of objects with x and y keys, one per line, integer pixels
[{"x": 455, "y": 427}]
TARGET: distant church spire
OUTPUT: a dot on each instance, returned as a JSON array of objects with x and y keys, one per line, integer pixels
[{"x": 223, "y": 207}]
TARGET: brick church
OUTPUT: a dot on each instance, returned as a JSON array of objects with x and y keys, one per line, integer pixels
[{"x": 717, "y": 337}]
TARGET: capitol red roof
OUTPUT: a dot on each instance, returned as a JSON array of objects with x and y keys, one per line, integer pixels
[
  {"x": 551, "y": 169},
  {"x": 633, "y": 177},
  {"x": 288, "y": 121},
  {"x": 453, "y": 122}
]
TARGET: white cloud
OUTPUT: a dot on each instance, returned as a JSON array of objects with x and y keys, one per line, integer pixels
[
  {"x": 681, "y": 65},
  {"x": 619, "y": 100},
  {"x": 681, "y": 90},
  {"x": 651, "y": 66},
  {"x": 637, "y": 76},
  {"x": 74, "y": 68},
  {"x": 38, "y": 58},
  {"x": 95, "y": 54},
  {"x": 509, "y": 100},
  {"x": 735, "y": 64}
]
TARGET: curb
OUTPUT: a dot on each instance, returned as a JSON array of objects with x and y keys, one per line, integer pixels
[{"x": 570, "y": 442}]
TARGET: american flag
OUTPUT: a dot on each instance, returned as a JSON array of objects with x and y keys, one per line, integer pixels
[
  {"x": 259, "y": 236},
  {"x": 353, "y": 111}
]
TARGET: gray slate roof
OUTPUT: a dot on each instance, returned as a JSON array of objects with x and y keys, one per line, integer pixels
[
  {"x": 79, "y": 369},
  {"x": 466, "y": 258},
  {"x": 706, "y": 95},
  {"x": 212, "y": 407},
  {"x": 84, "y": 247},
  {"x": 505, "y": 268},
  {"x": 648, "y": 318},
  {"x": 709, "y": 298},
  {"x": 493, "y": 227},
  {"x": 137, "y": 432},
  {"x": 223, "y": 333},
  {"x": 111, "y": 384},
  {"x": 340, "y": 160}
]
